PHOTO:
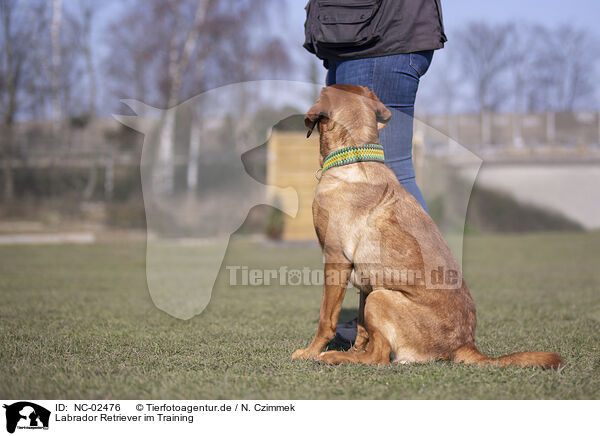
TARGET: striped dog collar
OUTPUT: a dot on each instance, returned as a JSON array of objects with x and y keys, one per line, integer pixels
[{"x": 348, "y": 155}]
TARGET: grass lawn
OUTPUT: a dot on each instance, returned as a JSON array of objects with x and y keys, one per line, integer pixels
[{"x": 77, "y": 322}]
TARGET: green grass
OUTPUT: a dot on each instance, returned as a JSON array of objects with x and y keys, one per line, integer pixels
[{"x": 77, "y": 322}]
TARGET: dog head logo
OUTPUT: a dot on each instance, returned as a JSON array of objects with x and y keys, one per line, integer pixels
[
  {"x": 195, "y": 186},
  {"x": 26, "y": 415},
  {"x": 196, "y": 189}
]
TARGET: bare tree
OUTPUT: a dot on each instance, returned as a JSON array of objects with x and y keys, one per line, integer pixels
[
  {"x": 37, "y": 96},
  {"x": 443, "y": 85},
  {"x": 194, "y": 45},
  {"x": 55, "y": 30},
  {"x": 525, "y": 48},
  {"x": 88, "y": 11},
  {"x": 486, "y": 52},
  {"x": 13, "y": 64},
  {"x": 179, "y": 58},
  {"x": 134, "y": 60},
  {"x": 13, "y": 60},
  {"x": 563, "y": 69}
]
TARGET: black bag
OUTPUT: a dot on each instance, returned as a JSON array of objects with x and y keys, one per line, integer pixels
[{"x": 335, "y": 26}]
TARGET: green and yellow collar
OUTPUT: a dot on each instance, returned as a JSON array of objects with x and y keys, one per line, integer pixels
[{"x": 349, "y": 155}]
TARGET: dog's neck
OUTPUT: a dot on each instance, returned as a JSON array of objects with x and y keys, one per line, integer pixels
[{"x": 338, "y": 138}]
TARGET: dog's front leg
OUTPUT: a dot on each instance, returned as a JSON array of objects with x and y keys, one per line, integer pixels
[{"x": 334, "y": 287}]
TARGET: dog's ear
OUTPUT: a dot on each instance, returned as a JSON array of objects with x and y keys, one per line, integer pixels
[
  {"x": 315, "y": 115},
  {"x": 383, "y": 114}
]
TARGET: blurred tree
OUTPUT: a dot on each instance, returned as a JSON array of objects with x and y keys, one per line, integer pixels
[
  {"x": 11, "y": 80},
  {"x": 55, "y": 31},
  {"x": 563, "y": 70},
  {"x": 486, "y": 53},
  {"x": 170, "y": 51},
  {"x": 520, "y": 68},
  {"x": 444, "y": 85},
  {"x": 85, "y": 24},
  {"x": 51, "y": 37},
  {"x": 12, "y": 62},
  {"x": 40, "y": 71},
  {"x": 525, "y": 45}
]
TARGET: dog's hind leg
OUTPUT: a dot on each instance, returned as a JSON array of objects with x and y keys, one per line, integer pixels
[
  {"x": 377, "y": 353},
  {"x": 378, "y": 347},
  {"x": 362, "y": 336}
]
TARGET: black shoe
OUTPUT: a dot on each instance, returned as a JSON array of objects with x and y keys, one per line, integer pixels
[{"x": 345, "y": 335}]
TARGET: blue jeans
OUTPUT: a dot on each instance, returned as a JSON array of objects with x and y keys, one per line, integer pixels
[{"x": 395, "y": 80}]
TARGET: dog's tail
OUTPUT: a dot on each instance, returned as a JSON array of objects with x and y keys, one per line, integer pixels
[{"x": 470, "y": 355}]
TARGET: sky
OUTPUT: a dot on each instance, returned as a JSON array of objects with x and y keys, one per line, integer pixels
[
  {"x": 288, "y": 22},
  {"x": 457, "y": 13},
  {"x": 550, "y": 12}
]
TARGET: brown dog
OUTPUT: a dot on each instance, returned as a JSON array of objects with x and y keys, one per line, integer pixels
[{"x": 414, "y": 304}]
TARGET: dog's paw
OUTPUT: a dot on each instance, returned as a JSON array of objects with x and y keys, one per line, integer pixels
[
  {"x": 304, "y": 353},
  {"x": 357, "y": 350},
  {"x": 333, "y": 357}
]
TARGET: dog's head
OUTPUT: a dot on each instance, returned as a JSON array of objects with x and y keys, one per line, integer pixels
[{"x": 346, "y": 115}]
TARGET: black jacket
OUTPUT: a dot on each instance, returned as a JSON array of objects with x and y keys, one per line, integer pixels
[{"x": 354, "y": 29}]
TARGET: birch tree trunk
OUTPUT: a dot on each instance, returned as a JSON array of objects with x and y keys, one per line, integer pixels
[
  {"x": 178, "y": 63},
  {"x": 88, "y": 15},
  {"x": 56, "y": 59},
  {"x": 194, "y": 155}
]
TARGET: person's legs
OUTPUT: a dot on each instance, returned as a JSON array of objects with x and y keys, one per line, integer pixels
[{"x": 395, "y": 80}]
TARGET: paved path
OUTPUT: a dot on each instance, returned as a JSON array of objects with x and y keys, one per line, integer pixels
[{"x": 48, "y": 238}]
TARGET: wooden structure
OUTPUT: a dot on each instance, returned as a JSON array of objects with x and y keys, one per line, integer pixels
[{"x": 292, "y": 160}]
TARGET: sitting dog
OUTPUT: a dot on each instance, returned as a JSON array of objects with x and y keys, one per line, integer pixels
[{"x": 414, "y": 304}]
